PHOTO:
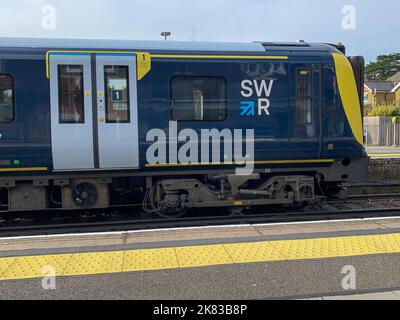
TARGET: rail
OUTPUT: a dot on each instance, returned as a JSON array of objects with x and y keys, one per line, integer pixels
[{"x": 379, "y": 205}]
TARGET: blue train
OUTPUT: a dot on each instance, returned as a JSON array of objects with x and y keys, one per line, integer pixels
[{"x": 176, "y": 125}]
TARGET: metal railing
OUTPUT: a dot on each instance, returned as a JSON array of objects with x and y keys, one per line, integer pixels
[{"x": 383, "y": 135}]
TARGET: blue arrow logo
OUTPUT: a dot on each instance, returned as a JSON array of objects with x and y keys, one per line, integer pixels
[{"x": 248, "y": 108}]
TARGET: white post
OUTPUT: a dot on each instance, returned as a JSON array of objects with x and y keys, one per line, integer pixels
[{"x": 387, "y": 135}]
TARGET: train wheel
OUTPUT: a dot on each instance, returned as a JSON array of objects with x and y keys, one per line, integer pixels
[{"x": 167, "y": 206}]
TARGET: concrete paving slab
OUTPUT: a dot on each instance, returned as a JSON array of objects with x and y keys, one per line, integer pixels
[
  {"x": 61, "y": 242},
  {"x": 369, "y": 296},
  {"x": 192, "y": 234},
  {"x": 383, "y": 150},
  {"x": 397, "y": 293},
  {"x": 319, "y": 227}
]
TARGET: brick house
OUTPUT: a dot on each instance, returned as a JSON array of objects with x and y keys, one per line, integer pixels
[
  {"x": 396, "y": 81},
  {"x": 380, "y": 92}
]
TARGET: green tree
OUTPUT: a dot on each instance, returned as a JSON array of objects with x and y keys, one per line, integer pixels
[{"x": 384, "y": 67}]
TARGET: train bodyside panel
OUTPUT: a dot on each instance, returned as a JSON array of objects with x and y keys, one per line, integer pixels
[
  {"x": 279, "y": 136},
  {"x": 297, "y": 127},
  {"x": 270, "y": 125},
  {"x": 25, "y": 128}
]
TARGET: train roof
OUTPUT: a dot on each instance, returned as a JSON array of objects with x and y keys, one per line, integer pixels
[{"x": 160, "y": 46}]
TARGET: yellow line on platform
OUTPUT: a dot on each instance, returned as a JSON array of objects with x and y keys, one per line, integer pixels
[
  {"x": 385, "y": 155},
  {"x": 76, "y": 264}
]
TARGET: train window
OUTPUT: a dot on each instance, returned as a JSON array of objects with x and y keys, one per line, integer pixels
[
  {"x": 304, "y": 83},
  {"x": 304, "y": 112},
  {"x": 117, "y": 94},
  {"x": 199, "y": 99},
  {"x": 7, "y": 110},
  {"x": 70, "y": 94}
]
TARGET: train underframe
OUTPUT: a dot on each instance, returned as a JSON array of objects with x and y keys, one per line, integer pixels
[{"x": 173, "y": 194}]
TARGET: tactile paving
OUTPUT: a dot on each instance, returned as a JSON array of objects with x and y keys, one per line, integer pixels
[
  {"x": 37, "y": 267},
  {"x": 196, "y": 256},
  {"x": 200, "y": 256},
  {"x": 152, "y": 259},
  {"x": 95, "y": 263},
  {"x": 332, "y": 247},
  {"x": 253, "y": 252},
  {"x": 5, "y": 263}
]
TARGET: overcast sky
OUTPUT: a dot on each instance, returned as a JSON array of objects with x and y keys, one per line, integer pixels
[{"x": 376, "y": 29}]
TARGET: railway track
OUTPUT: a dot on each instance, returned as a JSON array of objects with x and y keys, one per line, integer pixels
[{"x": 356, "y": 207}]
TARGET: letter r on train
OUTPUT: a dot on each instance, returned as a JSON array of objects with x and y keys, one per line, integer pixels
[{"x": 263, "y": 90}]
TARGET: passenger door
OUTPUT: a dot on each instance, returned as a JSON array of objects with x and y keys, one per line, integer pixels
[
  {"x": 71, "y": 111},
  {"x": 117, "y": 111},
  {"x": 94, "y": 115},
  {"x": 305, "y": 110}
]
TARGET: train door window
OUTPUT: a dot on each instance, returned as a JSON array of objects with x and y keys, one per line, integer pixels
[
  {"x": 304, "y": 109},
  {"x": 71, "y": 94},
  {"x": 199, "y": 99},
  {"x": 7, "y": 109},
  {"x": 117, "y": 94}
]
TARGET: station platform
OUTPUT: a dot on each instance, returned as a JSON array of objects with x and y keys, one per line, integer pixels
[
  {"x": 389, "y": 295},
  {"x": 383, "y": 152},
  {"x": 276, "y": 261}
]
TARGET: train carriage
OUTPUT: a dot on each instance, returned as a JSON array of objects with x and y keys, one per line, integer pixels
[{"x": 173, "y": 125}]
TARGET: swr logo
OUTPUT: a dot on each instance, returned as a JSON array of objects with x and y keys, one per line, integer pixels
[{"x": 263, "y": 92}]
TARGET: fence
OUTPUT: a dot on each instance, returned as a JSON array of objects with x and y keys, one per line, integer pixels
[{"x": 382, "y": 135}]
